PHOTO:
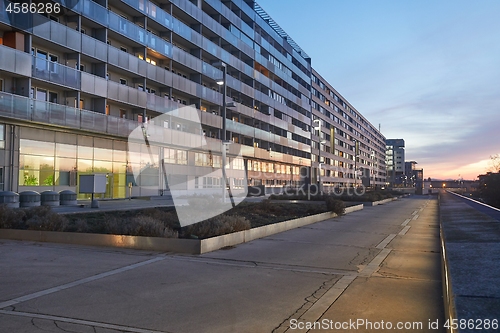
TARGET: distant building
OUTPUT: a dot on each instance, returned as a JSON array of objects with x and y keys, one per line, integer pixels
[
  {"x": 409, "y": 175},
  {"x": 395, "y": 161},
  {"x": 352, "y": 150}
]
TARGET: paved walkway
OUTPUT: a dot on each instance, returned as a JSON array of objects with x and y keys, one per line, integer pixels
[
  {"x": 378, "y": 264},
  {"x": 471, "y": 239}
]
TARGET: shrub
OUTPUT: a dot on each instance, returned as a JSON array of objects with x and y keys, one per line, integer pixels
[
  {"x": 11, "y": 218},
  {"x": 218, "y": 225},
  {"x": 149, "y": 226},
  {"x": 335, "y": 206},
  {"x": 114, "y": 226},
  {"x": 81, "y": 225},
  {"x": 43, "y": 218}
]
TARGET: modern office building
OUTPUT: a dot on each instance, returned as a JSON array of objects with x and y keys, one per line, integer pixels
[
  {"x": 395, "y": 161},
  {"x": 340, "y": 133},
  {"x": 74, "y": 86}
]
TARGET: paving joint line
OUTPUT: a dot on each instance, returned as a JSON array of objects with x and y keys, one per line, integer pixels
[
  {"x": 386, "y": 241},
  {"x": 405, "y": 230},
  {"x": 80, "y": 322},
  {"x": 78, "y": 282},
  {"x": 321, "y": 306}
]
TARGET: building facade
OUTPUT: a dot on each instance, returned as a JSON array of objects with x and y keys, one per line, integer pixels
[
  {"x": 74, "y": 86},
  {"x": 395, "y": 161},
  {"x": 349, "y": 148}
]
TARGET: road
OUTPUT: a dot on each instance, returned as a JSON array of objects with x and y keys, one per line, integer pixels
[{"x": 379, "y": 264}]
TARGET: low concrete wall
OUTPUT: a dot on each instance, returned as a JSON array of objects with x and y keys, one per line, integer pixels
[
  {"x": 380, "y": 202},
  {"x": 215, "y": 243},
  {"x": 191, "y": 246},
  {"x": 470, "y": 252}
]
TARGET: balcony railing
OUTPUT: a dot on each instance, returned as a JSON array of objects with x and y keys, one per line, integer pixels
[
  {"x": 56, "y": 73},
  {"x": 19, "y": 107}
]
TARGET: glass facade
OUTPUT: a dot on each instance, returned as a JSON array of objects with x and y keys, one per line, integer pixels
[{"x": 57, "y": 165}]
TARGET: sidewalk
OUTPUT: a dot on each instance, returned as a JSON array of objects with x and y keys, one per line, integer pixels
[
  {"x": 259, "y": 286},
  {"x": 472, "y": 250}
]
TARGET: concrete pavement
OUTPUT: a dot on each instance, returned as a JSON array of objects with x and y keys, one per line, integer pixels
[
  {"x": 377, "y": 263},
  {"x": 472, "y": 255}
]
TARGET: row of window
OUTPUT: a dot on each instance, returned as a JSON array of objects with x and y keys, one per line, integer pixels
[
  {"x": 216, "y": 182},
  {"x": 371, "y": 132}
]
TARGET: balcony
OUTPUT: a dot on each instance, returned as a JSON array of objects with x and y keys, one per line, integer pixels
[
  {"x": 19, "y": 107},
  {"x": 15, "y": 61},
  {"x": 54, "y": 72}
]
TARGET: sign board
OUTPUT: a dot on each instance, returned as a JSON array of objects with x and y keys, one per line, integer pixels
[{"x": 93, "y": 183}]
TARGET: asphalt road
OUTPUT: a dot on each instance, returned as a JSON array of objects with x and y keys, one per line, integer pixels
[{"x": 378, "y": 265}]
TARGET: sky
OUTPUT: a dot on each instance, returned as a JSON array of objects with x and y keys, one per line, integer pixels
[{"x": 426, "y": 71}]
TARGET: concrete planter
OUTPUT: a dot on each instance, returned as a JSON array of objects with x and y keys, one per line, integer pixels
[
  {"x": 190, "y": 246},
  {"x": 380, "y": 202}
]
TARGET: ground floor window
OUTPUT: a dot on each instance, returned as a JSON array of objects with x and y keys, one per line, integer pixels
[{"x": 48, "y": 164}]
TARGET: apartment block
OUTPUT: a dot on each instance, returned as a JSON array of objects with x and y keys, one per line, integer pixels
[
  {"x": 349, "y": 148},
  {"x": 395, "y": 161},
  {"x": 74, "y": 85}
]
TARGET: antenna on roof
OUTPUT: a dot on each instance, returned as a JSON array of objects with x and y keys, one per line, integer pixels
[{"x": 379, "y": 127}]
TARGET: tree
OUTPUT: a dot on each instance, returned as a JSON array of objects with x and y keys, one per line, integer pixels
[
  {"x": 495, "y": 163},
  {"x": 489, "y": 188}
]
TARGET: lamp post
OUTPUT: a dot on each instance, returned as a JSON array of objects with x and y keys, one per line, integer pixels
[
  {"x": 318, "y": 128},
  {"x": 223, "y": 134},
  {"x": 375, "y": 171},
  {"x": 224, "y": 141},
  {"x": 322, "y": 142},
  {"x": 356, "y": 152}
]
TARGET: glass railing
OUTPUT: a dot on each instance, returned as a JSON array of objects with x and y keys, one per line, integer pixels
[
  {"x": 19, "y": 107},
  {"x": 15, "y": 61},
  {"x": 56, "y": 73}
]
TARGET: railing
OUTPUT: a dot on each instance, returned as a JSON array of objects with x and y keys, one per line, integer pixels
[
  {"x": 19, "y": 107},
  {"x": 56, "y": 73}
]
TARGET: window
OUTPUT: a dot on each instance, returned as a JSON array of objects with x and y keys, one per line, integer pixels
[
  {"x": 1, "y": 85},
  {"x": 202, "y": 159},
  {"x": 123, "y": 81},
  {"x": 124, "y": 49},
  {"x": 2, "y": 138},
  {"x": 81, "y": 104},
  {"x": 41, "y": 94},
  {"x": 53, "y": 63},
  {"x": 123, "y": 113},
  {"x": 52, "y": 97},
  {"x": 175, "y": 156}
]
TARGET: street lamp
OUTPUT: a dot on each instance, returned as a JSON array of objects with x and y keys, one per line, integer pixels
[
  {"x": 317, "y": 122},
  {"x": 322, "y": 142},
  {"x": 224, "y": 142},
  {"x": 356, "y": 153},
  {"x": 374, "y": 166}
]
